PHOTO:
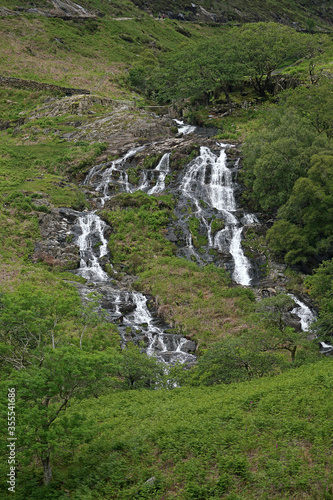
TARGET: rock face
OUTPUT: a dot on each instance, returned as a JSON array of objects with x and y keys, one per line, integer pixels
[
  {"x": 69, "y": 9},
  {"x": 58, "y": 8},
  {"x": 56, "y": 248},
  {"x": 120, "y": 127}
]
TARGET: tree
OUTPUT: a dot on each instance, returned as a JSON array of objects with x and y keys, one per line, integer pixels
[
  {"x": 201, "y": 71},
  {"x": 305, "y": 223},
  {"x": 46, "y": 368},
  {"x": 320, "y": 287},
  {"x": 265, "y": 47},
  {"x": 235, "y": 359},
  {"x": 44, "y": 392},
  {"x": 137, "y": 370},
  {"x": 31, "y": 319},
  {"x": 315, "y": 102},
  {"x": 277, "y": 335},
  {"x": 276, "y": 156}
]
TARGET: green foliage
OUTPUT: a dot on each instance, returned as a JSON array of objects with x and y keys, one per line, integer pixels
[
  {"x": 138, "y": 221},
  {"x": 33, "y": 319},
  {"x": 320, "y": 287},
  {"x": 315, "y": 102},
  {"x": 265, "y": 437},
  {"x": 305, "y": 227},
  {"x": 204, "y": 70},
  {"x": 194, "y": 226},
  {"x": 137, "y": 370},
  {"x": 236, "y": 359},
  {"x": 45, "y": 389},
  {"x": 256, "y": 351},
  {"x": 277, "y": 156},
  {"x": 217, "y": 225}
]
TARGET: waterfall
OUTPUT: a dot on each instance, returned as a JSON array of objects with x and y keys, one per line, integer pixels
[
  {"x": 163, "y": 168},
  {"x": 116, "y": 168},
  {"x": 184, "y": 129},
  {"x": 208, "y": 178},
  {"x": 93, "y": 246},
  {"x": 106, "y": 174},
  {"x": 304, "y": 313},
  {"x": 128, "y": 309}
]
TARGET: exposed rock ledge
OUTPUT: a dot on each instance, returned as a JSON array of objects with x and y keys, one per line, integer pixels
[
  {"x": 58, "y": 8},
  {"x": 56, "y": 247}
]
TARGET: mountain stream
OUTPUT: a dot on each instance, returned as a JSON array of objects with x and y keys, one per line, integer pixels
[{"x": 206, "y": 187}]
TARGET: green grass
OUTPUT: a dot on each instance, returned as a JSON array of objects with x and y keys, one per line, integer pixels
[
  {"x": 90, "y": 54},
  {"x": 138, "y": 221},
  {"x": 197, "y": 301},
  {"x": 266, "y": 439}
]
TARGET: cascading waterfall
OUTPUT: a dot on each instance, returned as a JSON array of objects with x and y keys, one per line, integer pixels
[
  {"x": 163, "y": 168},
  {"x": 304, "y": 313},
  {"x": 93, "y": 246},
  {"x": 128, "y": 308},
  {"x": 208, "y": 178},
  {"x": 107, "y": 174},
  {"x": 184, "y": 129}
]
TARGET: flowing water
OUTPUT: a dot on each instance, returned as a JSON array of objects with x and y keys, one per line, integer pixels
[
  {"x": 93, "y": 246},
  {"x": 105, "y": 173},
  {"x": 129, "y": 309},
  {"x": 305, "y": 314},
  {"x": 184, "y": 129},
  {"x": 208, "y": 183}
]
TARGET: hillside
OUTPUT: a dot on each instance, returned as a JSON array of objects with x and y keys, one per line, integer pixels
[
  {"x": 264, "y": 439},
  {"x": 166, "y": 249}
]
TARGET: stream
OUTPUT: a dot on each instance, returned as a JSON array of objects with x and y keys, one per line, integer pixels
[{"x": 206, "y": 188}]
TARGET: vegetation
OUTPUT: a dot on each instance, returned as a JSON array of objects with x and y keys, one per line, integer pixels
[
  {"x": 138, "y": 221},
  {"x": 251, "y": 419},
  {"x": 266, "y": 438},
  {"x": 204, "y": 70},
  {"x": 288, "y": 172}
]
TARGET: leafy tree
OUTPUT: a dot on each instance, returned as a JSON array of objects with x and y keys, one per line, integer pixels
[
  {"x": 315, "y": 102},
  {"x": 320, "y": 287},
  {"x": 31, "y": 319},
  {"x": 265, "y": 47},
  {"x": 44, "y": 392},
  {"x": 276, "y": 156},
  {"x": 255, "y": 352},
  {"x": 137, "y": 370},
  {"x": 203, "y": 70},
  {"x": 305, "y": 224},
  {"x": 277, "y": 335},
  {"x": 235, "y": 360}
]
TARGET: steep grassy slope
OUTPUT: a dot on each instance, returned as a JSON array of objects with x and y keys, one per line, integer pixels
[
  {"x": 266, "y": 439},
  {"x": 85, "y": 54}
]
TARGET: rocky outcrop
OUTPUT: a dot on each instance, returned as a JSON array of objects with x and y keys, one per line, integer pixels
[
  {"x": 56, "y": 246},
  {"x": 64, "y": 9}
]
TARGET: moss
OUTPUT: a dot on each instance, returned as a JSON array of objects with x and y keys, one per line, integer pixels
[
  {"x": 134, "y": 175},
  {"x": 198, "y": 239},
  {"x": 217, "y": 225},
  {"x": 151, "y": 161}
]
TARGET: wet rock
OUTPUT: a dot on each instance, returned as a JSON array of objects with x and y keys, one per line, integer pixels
[
  {"x": 188, "y": 346},
  {"x": 293, "y": 321},
  {"x": 127, "y": 308}
]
